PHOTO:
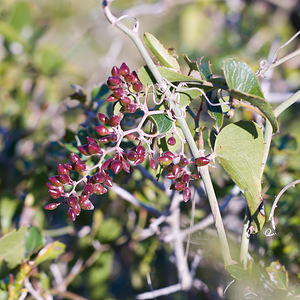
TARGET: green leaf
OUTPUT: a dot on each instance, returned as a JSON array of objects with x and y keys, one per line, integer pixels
[
  {"x": 51, "y": 251},
  {"x": 8, "y": 208},
  {"x": 146, "y": 78},
  {"x": 12, "y": 35},
  {"x": 243, "y": 85},
  {"x": 160, "y": 52},
  {"x": 34, "y": 240},
  {"x": 278, "y": 275},
  {"x": 12, "y": 248},
  {"x": 236, "y": 271},
  {"x": 48, "y": 60},
  {"x": 205, "y": 69},
  {"x": 109, "y": 230},
  {"x": 162, "y": 122},
  {"x": 239, "y": 148},
  {"x": 21, "y": 16},
  {"x": 215, "y": 111}
]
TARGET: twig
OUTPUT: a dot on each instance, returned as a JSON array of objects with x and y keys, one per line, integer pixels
[
  {"x": 181, "y": 262},
  {"x": 131, "y": 199},
  {"x": 160, "y": 292},
  {"x": 271, "y": 216},
  {"x": 272, "y": 63},
  {"x": 31, "y": 290}
]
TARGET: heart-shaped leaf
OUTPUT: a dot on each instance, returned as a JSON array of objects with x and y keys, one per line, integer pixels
[
  {"x": 239, "y": 148},
  {"x": 243, "y": 85}
]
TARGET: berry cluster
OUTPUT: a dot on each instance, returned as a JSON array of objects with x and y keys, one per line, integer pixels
[
  {"x": 177, "y": 170},
  {"x": 126, "y": 88}
]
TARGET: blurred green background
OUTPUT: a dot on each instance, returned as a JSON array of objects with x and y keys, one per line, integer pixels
[{"x": 45, "y": 46}]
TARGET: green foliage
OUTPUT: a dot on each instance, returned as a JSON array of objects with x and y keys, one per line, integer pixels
[
  {"x": 239, "y": 148},
  {"x": 160, "y": 52},
  {"x": 244, "y": 85},
  {"x": 12, "y": 247}
]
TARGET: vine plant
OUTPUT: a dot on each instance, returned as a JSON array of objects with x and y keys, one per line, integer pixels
[{"x": 158, "y": 96}]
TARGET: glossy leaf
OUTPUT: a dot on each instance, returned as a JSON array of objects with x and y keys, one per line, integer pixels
[
  {"x": 243, "y": 85},
  {"x": 162, "y": 122},
  {"x": 160, "y": 52},
  {"x": 12, "y": 247},
  {"x": 239, "y": 148}
]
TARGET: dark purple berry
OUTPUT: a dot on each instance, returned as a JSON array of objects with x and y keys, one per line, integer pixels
[
  {"x": 132, "y": 155},
  {"x": 98, "y": 177},
  {"x": 152, "y": 164},
  {"x": 72, "y": 200},
  {"x": 202, "y": 161},
  {"x": 102, "y": 118},
  {"x": 125, "y": 101},
  {"x": 137, "y": 87},
  {"x": 116, "y": 166},
  {"x": 102, "y": 130},
  {"x": 113, "y": 81},
  {"x": 171, "y": 141},
  {"x": 108, "y": 181},
  {"x": 124, "y": 70},
  {"x": 186, "y": 194},
  {"x": 54, "y": 193},
  {"x": 83, "y": 149},
  {"x": 79, "y": 166},
  {"x": 71, "y": 214},
  {"x": 114, "y": 120},
  {"x": 55, "y": 180},
  {"x": 165, "y": 160},
  {"x": 115, "y": 71},
  {"x": 62, "y": 170},
  {"x": 52, "y": 206},
  {"x": 106, "y": 164},
  {"x": 99, "y": 189},
  {"x": 131, "y": 108},
  {"x": 111, "y": 98},
  {"x": 118, "y": 93},
  {"x": 126, "y": 166},
  {"x": 88, "y": 189}
]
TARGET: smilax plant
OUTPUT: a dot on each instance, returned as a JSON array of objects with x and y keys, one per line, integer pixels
[{"x": 150, "y": 123}]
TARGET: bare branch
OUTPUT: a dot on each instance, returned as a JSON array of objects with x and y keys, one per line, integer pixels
[
  {"x": 31, "y": 290},
  {"x": 160, "y": 292},
  {"x": 271, "y": 216},
  {"x": 131, "y": 199}
]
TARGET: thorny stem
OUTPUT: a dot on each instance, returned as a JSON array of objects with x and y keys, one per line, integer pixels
[{"x": 163, "y": 86}]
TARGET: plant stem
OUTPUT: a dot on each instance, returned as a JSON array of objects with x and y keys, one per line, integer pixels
[
  {"x": 245, "y": 241},
  {"x": 162, "y": 85}
]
